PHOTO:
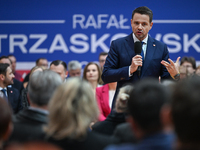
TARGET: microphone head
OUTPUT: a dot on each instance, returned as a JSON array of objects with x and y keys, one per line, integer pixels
[{"x": 137, "y": 47}]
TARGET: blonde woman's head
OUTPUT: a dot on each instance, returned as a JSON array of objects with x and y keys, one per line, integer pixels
[{"x": 72, "y": 108}]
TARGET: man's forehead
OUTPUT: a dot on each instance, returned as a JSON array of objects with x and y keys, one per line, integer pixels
[{"x": 5, "y": 60}]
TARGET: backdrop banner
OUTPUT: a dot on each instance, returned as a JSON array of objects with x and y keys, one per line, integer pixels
[{"x": 80, "y": 30}]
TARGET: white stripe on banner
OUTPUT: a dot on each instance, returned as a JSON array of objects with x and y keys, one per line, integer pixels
[
  {"x": 32, "y": 21},
  {"x": 63, "y": 21},
  {"x": 176, "y": 21}
]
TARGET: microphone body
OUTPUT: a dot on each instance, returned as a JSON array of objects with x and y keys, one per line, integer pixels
[{"x": 138, "y": 50}]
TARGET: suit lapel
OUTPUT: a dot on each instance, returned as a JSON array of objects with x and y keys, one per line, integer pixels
[
  {"x": 10, "y": 95},
  {"x": 130, "y": 46},
  {"x": 151, "y": 47}
]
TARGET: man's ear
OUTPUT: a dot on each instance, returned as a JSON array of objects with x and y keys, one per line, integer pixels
[
  {"x": 2, "y": 77},
  {"x": 66, "y": 74},
  {"x": 28, "y": 97}
]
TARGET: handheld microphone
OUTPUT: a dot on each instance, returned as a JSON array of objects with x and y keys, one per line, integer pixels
[{"x": 138, "y": 50}]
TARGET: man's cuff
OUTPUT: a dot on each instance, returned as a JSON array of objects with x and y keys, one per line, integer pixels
[{"x": 129, "y": 74}]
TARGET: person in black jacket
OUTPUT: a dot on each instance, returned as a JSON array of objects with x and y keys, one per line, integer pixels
[{"x": 29, "y": 122}]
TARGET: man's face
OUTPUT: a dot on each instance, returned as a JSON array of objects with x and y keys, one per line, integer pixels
[
  {"x": 102, "y": 60},
  {"x": 75, "y": 73},
  {"x": 13, "y": 59},
  {"x": 9, "y": 77},
  {"x": 43, "y": 62},
  {"x": 140, "y": 25},
  {"x": 189, "y": 68},
  {"x": 60, "y": 70}
]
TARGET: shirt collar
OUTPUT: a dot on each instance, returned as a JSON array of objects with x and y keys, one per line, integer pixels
[
  {"x": 135, "y": 39},
  {"x": 39, "y": 110},
  {"x": 3, "y": 88}
]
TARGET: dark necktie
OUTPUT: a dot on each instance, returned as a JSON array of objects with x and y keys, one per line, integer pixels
[
  {"x": 4, "y": 92},
  {"x": 142, "y": 53}
]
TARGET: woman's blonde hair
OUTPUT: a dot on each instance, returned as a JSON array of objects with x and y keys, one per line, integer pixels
[{"x": 71, "y": 109}]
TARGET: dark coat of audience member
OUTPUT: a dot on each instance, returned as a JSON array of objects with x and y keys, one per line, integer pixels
[
  {"x": 115, "y": 117},
  {"x": 123, "y": 132}
]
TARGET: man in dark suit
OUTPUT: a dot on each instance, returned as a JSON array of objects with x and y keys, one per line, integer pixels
[
  {"x": 12, "y": 95},
  {"x": 28, "y": 124},
  {"x": 16, "y": 83},
  {"x": 122, "y": 62}
]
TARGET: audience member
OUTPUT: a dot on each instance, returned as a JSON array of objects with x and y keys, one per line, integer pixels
[
  {"x": 5, "y": 121},
  {"x": 24, "y": 98},
  {"x": 74, "y": 68},
  {"x": 92, "y": 73},
  {"x": 197, "y": 72},
  {"x": 29, "y": 122},
  {"x": 18, "y": 76},
  {"x": 39, "y": 62},
  {"x": 115, "y": 118},
  {"x": 11, "y": 94},
  {"x": 187, "y": 67},
  {"x": 185, "y": 113},
  {"x": 60, "y": 67},
  {"x": 102, "y": 59},
  {"x": 144, "y": 107},
  {"x": 105, "y": 96},
  {"x": 16, "y": 83},
  {"x": 69, "y": 118}
]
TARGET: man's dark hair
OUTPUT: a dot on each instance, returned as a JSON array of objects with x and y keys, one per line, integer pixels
[
  {"x": 37, "y": 61},
  {"x": 11, "y": 55},
  {"x": 186, "y": 110},
  {"x": 3, "y": 68},
  {"x": 144, "y": 10},
  {"x": 103, "y": 54},
  {"x": 58, "y": 62},
  {"x": 145, "y": 103},
  {"x": 6, "y": 57},
  {"x": 190, "y": 60}
]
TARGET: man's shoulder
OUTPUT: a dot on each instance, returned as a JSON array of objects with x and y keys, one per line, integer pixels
[
  {"x": 122, "y": 39},
  {"x": 150, "y": 39},
  {"x": 29, "y": 116}
]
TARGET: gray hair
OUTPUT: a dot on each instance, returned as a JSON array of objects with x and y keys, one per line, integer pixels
[
  {"x": 42, "y": 86},
  {"x": 73, "y": 65}
]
